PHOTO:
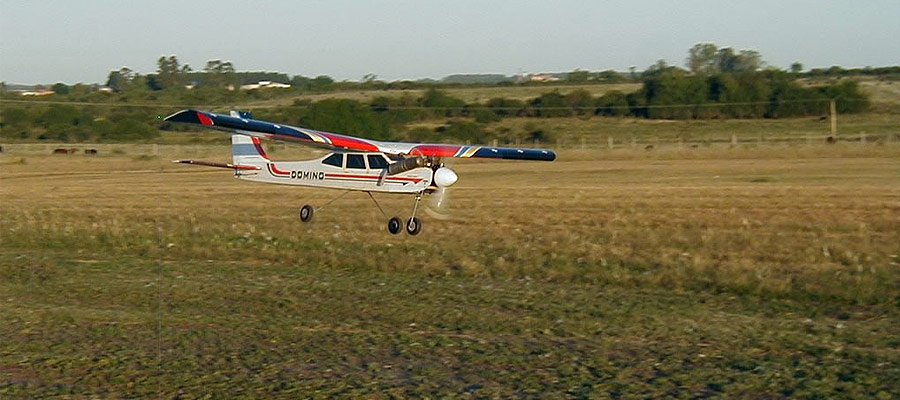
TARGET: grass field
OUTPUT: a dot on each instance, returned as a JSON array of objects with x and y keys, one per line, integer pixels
[{"x": 752, "y": 272}]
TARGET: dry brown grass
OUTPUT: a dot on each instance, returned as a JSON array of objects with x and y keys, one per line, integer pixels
[
  {"x": 768, "y": 219},
  {"x": 767, "y": 272}
]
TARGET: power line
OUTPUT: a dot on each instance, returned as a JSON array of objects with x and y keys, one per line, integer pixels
[{"x": 462, "y": 108}]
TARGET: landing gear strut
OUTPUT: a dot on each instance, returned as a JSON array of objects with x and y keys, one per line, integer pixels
[{"x": 413, "y": 224}]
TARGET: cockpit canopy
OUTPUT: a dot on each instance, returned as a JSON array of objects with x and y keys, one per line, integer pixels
[{"x": 371, "y": 161}]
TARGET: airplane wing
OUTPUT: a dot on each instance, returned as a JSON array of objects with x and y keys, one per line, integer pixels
[{"x": 243, "y": 124}]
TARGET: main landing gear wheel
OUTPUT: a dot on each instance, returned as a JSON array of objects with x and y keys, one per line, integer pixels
[
  {"x": 306, "y": 213},
  {"x": 413, "y": 226},
  {"x": 394, "y": 225}
]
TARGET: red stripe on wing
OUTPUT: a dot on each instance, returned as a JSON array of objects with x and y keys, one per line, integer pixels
[
  {"x": 348, "y": 142},
  {"x": 204, "y": 119},
  {"x": 435, "y": 150}
]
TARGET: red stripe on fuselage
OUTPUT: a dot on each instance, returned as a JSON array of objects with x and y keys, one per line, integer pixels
[
  {"x": 258, "y": 145},
  {"x": 375, "y": 177},
  {"x": 275, "y": 171}
]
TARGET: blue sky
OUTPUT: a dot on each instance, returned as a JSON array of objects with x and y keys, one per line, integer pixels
[{"x": 81, "y": 41}]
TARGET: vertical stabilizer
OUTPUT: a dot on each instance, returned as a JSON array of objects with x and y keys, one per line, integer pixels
[{"x": 247, "y": 150}]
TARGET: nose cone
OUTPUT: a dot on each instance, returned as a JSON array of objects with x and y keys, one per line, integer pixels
[{"x": 444, "y": 177}]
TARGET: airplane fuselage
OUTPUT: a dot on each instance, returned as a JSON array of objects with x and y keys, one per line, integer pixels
[{"x": 349, "y": 171}]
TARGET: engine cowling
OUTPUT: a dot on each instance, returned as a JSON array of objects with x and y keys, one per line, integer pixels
[
  {"x": 407, "y": 164},
  {"x": 445, "y": 177}
]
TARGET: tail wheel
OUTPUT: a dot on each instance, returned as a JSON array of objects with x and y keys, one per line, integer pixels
[
  {"x": 394, "y": 225},
  {"x": 413, "y": 226},
  {"x": 306, "y": 213}
]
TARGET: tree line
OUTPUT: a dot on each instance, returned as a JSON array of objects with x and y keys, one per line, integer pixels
[
  {"x": 718, "y": 83},
  {"x": 668, "y": 94}
]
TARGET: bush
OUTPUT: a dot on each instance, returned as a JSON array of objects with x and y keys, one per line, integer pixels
[
  {"x": 442, "y": 103},
  {"x": 346, "y": 116},
  {"x": 464, "y": 131},
  {"x": 503, "y": 107},
  {"x": 613, "y": 103},
  {"x": 551, "y": 104}
]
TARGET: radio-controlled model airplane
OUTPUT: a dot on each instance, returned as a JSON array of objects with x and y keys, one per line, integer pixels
[{"x": 355, "y": 164}]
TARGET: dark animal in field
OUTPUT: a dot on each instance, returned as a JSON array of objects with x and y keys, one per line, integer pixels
[
  {"x": 822, "y": 118},
  {"x": 648, "y": 147},
  {"x": 1, "y": 149},
  {"x": 90, "y": 151},
  {"x": 830, "y": 140},
  {"x": 64, "y": 151}
]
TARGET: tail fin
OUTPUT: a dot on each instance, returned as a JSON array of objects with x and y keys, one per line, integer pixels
[
  {"x": 247, "y": 150},
  {"x": 241, "y": 114}
]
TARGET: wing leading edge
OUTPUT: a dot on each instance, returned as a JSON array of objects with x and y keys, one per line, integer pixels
[{"x": 269, "y": 130}]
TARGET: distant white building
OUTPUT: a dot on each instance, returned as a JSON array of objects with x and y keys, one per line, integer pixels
[
  {"x": 37, "y": 93},
  {"x": 265, "y": 85},
  {"x": 543, "y": 78}
]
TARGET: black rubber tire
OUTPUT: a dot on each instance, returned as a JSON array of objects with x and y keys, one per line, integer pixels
[
  {"x": 413, "y": 226},
  {"x": 395, "y": 225},
  {"x": 306, "y": 213}
]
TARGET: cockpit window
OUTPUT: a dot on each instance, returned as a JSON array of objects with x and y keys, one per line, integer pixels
[
  {"x": 336, "y": 159},
  {"x": 377, "y": 161},
  {"x": 355, "y": 161}
]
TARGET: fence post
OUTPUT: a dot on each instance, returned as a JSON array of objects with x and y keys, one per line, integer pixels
[
  {"x": 833, "y": 119},
  {"x": 734, "y": 140},
  {"x": 862, "y": 138},
  {"x": 609, "y": 142},
  {"x": 583, "y": 143},
  {"x": 633, "y": 143}
]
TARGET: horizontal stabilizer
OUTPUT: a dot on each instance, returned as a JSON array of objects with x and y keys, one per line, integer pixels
[{"x": 217, "y": 164}]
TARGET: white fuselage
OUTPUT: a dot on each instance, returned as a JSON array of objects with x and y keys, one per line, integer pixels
[{"x": 351, "y": 171}]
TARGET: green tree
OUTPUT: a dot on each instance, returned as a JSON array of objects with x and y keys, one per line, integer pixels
[
  {"x": 797, "y": 67},
  {"x": 322, "y": 82},
  {"x": 610, "y": 76},
  {"x": 120, "y": 80},
  {"x": 703, "y": 59},
  {"x": 168, "y": 72},
  {"x": 218, "y": 73},
  {"x": 578, "y": 75},
  {"x": 744, "y": 61},
  {"x": 60, "y": 88}
]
